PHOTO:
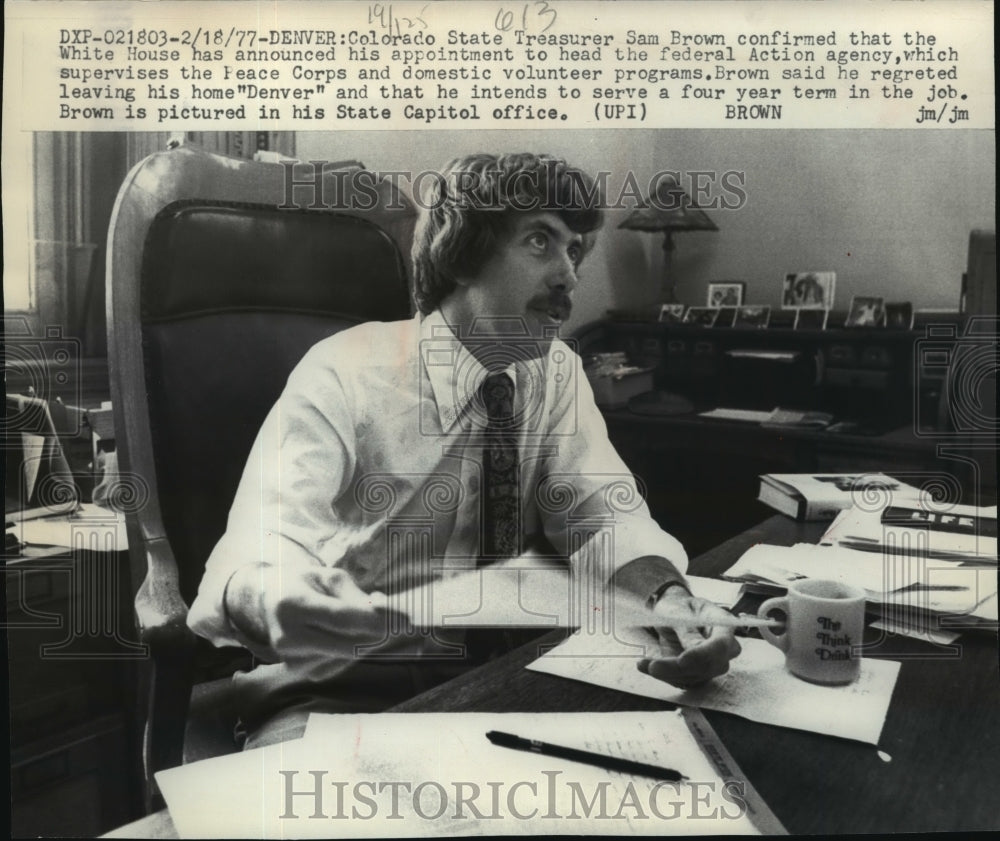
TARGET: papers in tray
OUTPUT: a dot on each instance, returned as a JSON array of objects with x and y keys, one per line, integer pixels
[
  {"x": 747, "y": 415},
  {"x": 768, "y": 355},
  {"x": 783, "y": 418},
  {"x": 918, "y": 527},
  {"x": 64, "y": 530},
  {"x": 794, "y": 419},
  {"x": 436, "y": 774},
  {"x": 912, "y": 557},
  {"x": 905, "y": 581},
  {"x": 757, "y": 686}
]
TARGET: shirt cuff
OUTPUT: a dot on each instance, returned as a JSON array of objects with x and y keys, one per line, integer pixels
[{"x": 648, "y": 577}]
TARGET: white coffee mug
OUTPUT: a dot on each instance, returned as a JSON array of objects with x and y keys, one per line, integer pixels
[{"x": 825, "y": 621}]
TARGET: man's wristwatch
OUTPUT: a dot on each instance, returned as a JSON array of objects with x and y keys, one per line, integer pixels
[{"x": 659, "y": 591}]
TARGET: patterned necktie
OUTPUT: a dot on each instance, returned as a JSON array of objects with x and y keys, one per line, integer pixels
[
  {"x": 501, "y": 508},
  {"x": 501, "y": 503}
]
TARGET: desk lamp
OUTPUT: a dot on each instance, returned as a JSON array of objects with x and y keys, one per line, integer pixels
[{"x": 668, "y": 209}]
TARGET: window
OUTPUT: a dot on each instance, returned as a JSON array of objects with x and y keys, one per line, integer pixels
[
  {"x": 18, "y": 228},
  {"x": 56, "y": 218}
]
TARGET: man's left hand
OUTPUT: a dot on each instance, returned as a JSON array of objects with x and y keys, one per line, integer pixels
[{"x": 693, "y": 654}]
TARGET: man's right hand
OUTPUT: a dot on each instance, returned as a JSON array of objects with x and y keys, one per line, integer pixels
[{"x": 302, "y": 613}]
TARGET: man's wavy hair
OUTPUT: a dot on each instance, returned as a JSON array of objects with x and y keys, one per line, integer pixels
[{"x": 471, "y": 206}]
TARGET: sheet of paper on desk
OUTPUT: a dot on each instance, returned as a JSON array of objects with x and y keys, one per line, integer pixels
[
  {"x": 436, "y": 774},
  {"x": 512, "y": 595},
  {"x": 769, "y": 355},
  {"x": 725, "y": 593},
  {"x": 86, "y": 520},
  {"x": 757, "y": 686},
  {"x": 919, "y": 630},
  {"x": 747, "y": 415}
]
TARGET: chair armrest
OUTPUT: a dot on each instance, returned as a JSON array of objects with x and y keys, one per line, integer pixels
[{"x": 160, "y": 611}]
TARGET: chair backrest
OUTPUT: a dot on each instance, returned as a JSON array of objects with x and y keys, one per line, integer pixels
[{"x": 216, "y": 289}]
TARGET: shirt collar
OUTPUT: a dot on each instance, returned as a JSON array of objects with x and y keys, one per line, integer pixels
[{"x": 455, "y": 375}]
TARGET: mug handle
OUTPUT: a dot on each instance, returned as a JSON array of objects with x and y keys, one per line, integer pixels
[{"x": 779, "y": 640}]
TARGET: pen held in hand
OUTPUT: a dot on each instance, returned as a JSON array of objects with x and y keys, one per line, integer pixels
[{"x": 598, "y": 760}]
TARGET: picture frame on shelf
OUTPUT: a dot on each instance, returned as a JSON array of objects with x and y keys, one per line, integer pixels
[
  {"x": 701, "y": 316},
  {"x": 726, "y": 293},
  {"x": 866, "y": 311},
  {"x": 727, "y": 315},
  {"x": 783, "y": 319},
  {"x": 811, "y": 319},
  {"x": 671, "y": 313},
  {"x": 899, "y": 316},
  {"x": 756, "y": 317},
  {"x": 808, "y": 290}
]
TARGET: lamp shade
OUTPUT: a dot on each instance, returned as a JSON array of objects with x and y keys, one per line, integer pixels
[{"x": 668, "y": 208}]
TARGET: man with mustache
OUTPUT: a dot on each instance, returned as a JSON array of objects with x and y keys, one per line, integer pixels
[{"x": 464, "y": 437}]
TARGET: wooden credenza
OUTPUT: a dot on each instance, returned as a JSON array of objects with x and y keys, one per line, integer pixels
[
  {"x": 72, "y": 681},
  {"x": 701, "y": 475}
]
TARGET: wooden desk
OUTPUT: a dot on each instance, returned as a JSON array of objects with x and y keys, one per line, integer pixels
[
  {"x": 74, "y": 738},
  {"x": 942, "y": 731}
]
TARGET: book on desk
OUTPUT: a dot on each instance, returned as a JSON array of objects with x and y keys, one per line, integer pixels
[{"x": 822, "y": 496}]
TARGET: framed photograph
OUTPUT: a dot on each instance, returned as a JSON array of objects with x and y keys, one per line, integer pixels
[
  {"x": 702, "y": 316},
  {"x": 672, "y": 313},
  {"x": 727, "y": 315},
  {"x": 784, "y": 319},
  {"x": 866, "y": 312},
  {"x": 899, "y": 316},
  {"x": 808, "y": 290},
  {"x": 756, "y": 317},
  {"x": 727, "y": 293},
  {"x": 809, "y": 319}
]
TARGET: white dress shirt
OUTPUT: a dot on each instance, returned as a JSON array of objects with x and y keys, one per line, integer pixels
[{"x": 371, "y": 461}]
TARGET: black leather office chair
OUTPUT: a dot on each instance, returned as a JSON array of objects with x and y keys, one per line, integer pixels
[{"x": 214, "y": 294}]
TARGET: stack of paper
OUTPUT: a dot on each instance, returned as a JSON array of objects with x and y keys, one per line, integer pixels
[
  {"x": 917, "y": 558},
  {"x": 70, "y": 530},
  {"x": 912, "y": 584},
  {"x": 794, "y": 419},
  {"x": 918, "y": 527},
  {"x": 437, "y": 774}
]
